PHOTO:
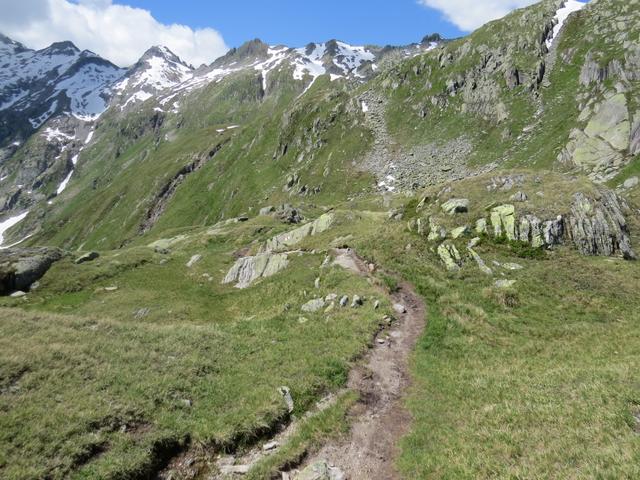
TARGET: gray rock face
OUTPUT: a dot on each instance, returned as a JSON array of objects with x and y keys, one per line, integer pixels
[
  {"x": 249, "y": 269},
  {"x": 598, "y": 226},
  {"x": 553, "y": 231},
  {"x": 600, "y": 148},
  {"x": 634, "y": 142},
  {"x": 20, "y": 268}
]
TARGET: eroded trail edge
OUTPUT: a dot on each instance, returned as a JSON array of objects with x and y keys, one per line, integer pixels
[{"x": 382, "y": 378}]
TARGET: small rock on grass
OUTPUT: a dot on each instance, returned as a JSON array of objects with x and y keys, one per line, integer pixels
[
  {"x": 195, "y": 259},
  {"x": 87, "y": 257},
  {"x": 344, "y": 300},
  {"x": 235, "y": 469},
  {"x": 270, "y": 446},
  {"x": 313, "y": 305},
  {"x": 399, "y": 308},
  {"x": 286, "y": 396}
]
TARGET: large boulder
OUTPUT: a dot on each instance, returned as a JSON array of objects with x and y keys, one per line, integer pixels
[
  {"x": 320, "y": 470},
  {"x": 249, "y": 269},
  {"x": 503, "y": 219},
  {"x": 293, "y": 237},
  {"x": 22, "y": 267},
  {"x": 456, "y": 205}
]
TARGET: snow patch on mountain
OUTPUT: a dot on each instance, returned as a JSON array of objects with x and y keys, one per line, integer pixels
[
  {"x": 568, "y": 7},
  {"x": 276, "y": 56},
  {"x": 8, "y": 223},
  {"x": 55, "y": 134}
]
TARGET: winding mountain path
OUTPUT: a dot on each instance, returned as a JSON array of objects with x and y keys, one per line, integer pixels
[{"x": 381, "y": 378}]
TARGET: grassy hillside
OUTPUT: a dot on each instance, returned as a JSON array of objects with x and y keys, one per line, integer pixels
[{"x": 110, "y": 367}]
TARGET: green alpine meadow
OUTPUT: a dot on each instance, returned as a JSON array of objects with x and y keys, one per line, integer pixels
[{"x": 329, "y": 262}]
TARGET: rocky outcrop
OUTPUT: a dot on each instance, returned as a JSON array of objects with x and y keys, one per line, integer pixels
[
  {"x": 595, "y": 224},
  {"x": 598, "y": 226},
  {"x": 249, "y": 269},
  {"x": 293, "y": 237},
  {"x": 634, "y": 141},
  {"x": 602, "y": 146},
  {"x": 20, "y": 268}
]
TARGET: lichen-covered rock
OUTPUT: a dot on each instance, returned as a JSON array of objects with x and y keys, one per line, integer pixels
[
  {"x": 436, "y": 231},
  {"x": 249, "y": 269},
  {"x": 456, "y": 205},
  {"x": 481, "y": 226},
  {"x": 611, "y": 122},
  {"x": 459, "y": 231},
  {"x": 289, "y": 239},
  {"x": 503, "y": 220},
  {"x": 21, "y": 267},
  {"x": 530, "y": 231},
  {"x": 481, "y": 265},
  {"x": 450, "y": 256}
]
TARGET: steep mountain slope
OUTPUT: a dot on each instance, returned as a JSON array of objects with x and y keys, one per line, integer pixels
[{"x": 42, "y": 168}]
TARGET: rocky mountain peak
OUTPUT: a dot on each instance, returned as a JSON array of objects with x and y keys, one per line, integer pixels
[
  {"x": 61, "y": 48},
  {"x": 248, "y": 52},
  {"x": 163, "y": 53}
]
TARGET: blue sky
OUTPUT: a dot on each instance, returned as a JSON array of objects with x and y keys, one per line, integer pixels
[
  {"x": 297, "y": 22},
  {"x": 200, "y": 31}
]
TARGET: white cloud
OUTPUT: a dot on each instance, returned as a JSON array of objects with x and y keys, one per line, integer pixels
[
  {"x": 471, "y": 14},
  {"x": 117, "y": 32}
]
